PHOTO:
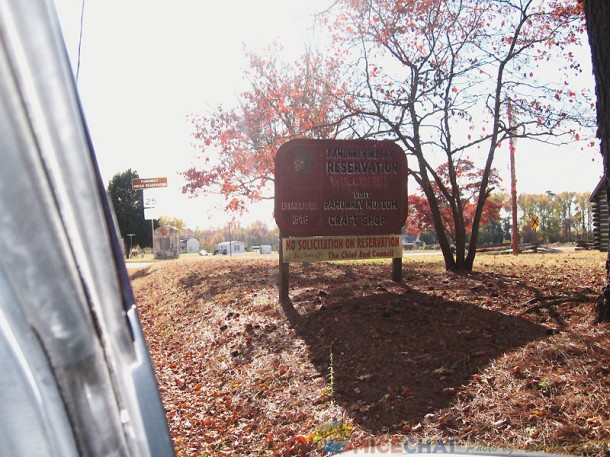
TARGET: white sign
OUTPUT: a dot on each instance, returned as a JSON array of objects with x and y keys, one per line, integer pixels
[
  {"x": 150, "y": 203},
  {"x": 155, "y": 202},
  {"x": 152, "y": 213}
]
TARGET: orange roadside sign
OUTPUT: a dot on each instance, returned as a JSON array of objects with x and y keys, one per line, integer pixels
[{"x": 535, "y": 222}]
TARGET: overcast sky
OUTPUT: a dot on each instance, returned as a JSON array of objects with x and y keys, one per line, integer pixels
[{"x": 147, "y": 64}]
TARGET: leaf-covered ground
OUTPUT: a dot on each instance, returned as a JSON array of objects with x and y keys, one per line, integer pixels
[{"x": 357, "y": 359}]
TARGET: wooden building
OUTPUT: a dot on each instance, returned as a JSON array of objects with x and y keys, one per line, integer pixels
[{"x": 599, "y": 205}]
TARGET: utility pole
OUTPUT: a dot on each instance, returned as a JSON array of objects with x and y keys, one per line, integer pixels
[{"x": 513, "y": 183}]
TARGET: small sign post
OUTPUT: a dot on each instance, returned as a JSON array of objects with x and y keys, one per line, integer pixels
[
  {"x": 150, "y": 204},
  {"x": 339, "y": 200},
  {"x": 130, "y": 235}
]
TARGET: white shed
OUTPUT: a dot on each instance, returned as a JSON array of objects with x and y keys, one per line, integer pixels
[
  {"x": 231, "y": 248},
  {"x": 192, "y": 245}
]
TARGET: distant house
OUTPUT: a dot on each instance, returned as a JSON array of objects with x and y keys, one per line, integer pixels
[
  {"x": 189, "y": 245},
  {"x": 231, "y": 248},
  {"x": 599, "y": 205},
  {"x": 262, "y": 249}
]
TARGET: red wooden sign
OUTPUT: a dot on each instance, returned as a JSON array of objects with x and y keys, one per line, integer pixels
[{"x": 340, "y": 187}]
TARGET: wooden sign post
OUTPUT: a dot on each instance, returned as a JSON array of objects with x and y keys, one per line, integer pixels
[{"x": 339, "y": 200}]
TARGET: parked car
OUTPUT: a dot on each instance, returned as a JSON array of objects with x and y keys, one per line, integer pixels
[{"x": 74, "y": 369}]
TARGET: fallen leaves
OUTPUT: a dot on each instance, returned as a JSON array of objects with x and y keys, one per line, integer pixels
[{"x": 438, "y": 355}]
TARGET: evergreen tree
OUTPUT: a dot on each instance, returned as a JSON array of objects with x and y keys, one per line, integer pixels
[{"x": 129, "y": 210}]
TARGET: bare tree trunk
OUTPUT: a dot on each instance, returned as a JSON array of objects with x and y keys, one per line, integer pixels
[{"x": 597, "y": 14}]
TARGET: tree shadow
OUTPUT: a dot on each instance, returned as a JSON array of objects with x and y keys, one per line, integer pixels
[
  {"x": 140, "y": 273},
  {"x": 391, "y": 358}
]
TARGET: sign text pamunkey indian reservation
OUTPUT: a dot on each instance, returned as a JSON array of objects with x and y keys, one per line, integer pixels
[
  {"x": 340, "y": 187},
  {"x": 339, "y": 200},
  {"x": 148, "y": 183}
]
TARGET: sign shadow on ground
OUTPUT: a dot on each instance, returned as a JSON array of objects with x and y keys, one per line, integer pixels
[{"x": 391, "y": 358}]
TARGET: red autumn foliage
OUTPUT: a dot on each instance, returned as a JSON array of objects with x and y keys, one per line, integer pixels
[
  {"x": 419, "y": 73},
  {"x": 237, "y": 146},
  {"x": 437, "y": 77},
  {"x": 420, "y": 214}
]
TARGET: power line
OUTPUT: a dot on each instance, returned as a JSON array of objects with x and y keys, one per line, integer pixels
[{"x": 80, "y": 38}]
